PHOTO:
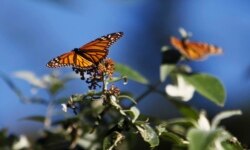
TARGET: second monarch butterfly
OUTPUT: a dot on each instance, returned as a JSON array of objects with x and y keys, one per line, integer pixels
[
  {"x": 194, "y": 50},
  {"x": 88, "y": 55}
]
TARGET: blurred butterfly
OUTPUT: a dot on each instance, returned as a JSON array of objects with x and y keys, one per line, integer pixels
[
  {"x": 88, "y": 55},
  {"x": 194, "y": 50}
]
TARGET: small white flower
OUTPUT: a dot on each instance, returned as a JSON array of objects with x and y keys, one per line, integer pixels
[
  {"x": 22, "y": 143},
  {"x": 203, "y": 122},
  {"x": 64, "y": 107},
  {"x": 182, "y": 90}
]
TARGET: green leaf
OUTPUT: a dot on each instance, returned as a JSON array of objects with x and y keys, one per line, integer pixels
[
  {"x": 18, "y": 92},
  {"x": 31, "y": 78},
  {"x": 130, "y": 73},
  {"x": 148, "y": 134},
  {"x": 208, "y": 86},
  {"x": 173, "y": 138},
  {"x": 232, "y": 144},
  {"x": 165, "y": 69},
  {"x": 224, "y": 115},
  {"x": 3, "y": 137},
  {"x": 13, "y": 87},
  {"x": 202, "y": 139},
  {"x": 111, "y": 143},
  {"x": 186, "y": 110},
  {"x": 182, "y": 107},
  {"x": 116, "y": 79},
  {"x": 7, "y": 140},
  {"x": 184, "y": 122},
  {"x": 35, "y": 118},
  {"x": 127, "y": 97},
  {"x": 107, "y": 143},
  {"x": 168, "y": 130},
  {"x": 56, "y": 86},
  {"x": 114, "y": 102},
  {"x": 133, "y": 112},
  {"x": 213, "y": 139}
]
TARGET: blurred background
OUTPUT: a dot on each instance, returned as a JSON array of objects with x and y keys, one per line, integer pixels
[{"x": 34, "y": 31}]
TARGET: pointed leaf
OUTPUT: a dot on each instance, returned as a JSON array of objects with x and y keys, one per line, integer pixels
[
  {"x": 173, "y": 138},
  {"x": 116, "y": 79},
  {"x": 56, "y": 87},
  {"x": 232, "y": 144},
  {"x": 13, "y": 87},
  {"x": 148, "y": 134},
  {"x": 133, "y": 112},
  {"x": 187, "y": 111},
  {"x": 184, "y": 122},
  {"x": 54, "y": 83},
  {"x": 31, "y": 78},
  {"x": 19, "y": 93},
  {"x": 208, "y": 86},
  {"x": 165, "y": 69},
  {"x": 107, "y": 143},
  {"x": 111, "y": 143},
  {"x": 130, "y": 73},
  {"x": 224, "y": 115},
  {"x": 171, "y": 135},
  {"x": 183, "y": 108},
  {"x": 202, "y": 139},
  {"x": 127, "y": 97}
]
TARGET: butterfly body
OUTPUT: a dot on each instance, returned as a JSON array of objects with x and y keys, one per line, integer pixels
[
  {"x": 75, "y": 49},
  {"x": 194, "y": 50},
  {"x": 88, "y": 55}
]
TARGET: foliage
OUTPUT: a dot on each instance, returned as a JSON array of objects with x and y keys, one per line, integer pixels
[{"x": 100, "y": 121}]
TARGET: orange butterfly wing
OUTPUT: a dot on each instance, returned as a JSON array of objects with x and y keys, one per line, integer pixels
[
  {"x": 87, "y": 55},
  {"x": 69, "y": 59},
  {"x": 97, "y": 50},
  {"x": 194, "y": 50}
]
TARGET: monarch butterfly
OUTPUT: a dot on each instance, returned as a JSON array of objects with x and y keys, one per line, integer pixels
[
  {"x": 88, "y": 55},
  {"x": 194, "y": 50}
]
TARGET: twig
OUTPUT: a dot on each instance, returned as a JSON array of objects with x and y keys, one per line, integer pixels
[{"x": 147, "y": 92}]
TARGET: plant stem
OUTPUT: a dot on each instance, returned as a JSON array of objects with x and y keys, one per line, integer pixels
[
  {"x": 47, "y": 122},
  {"x": 147, "y": 92}
]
